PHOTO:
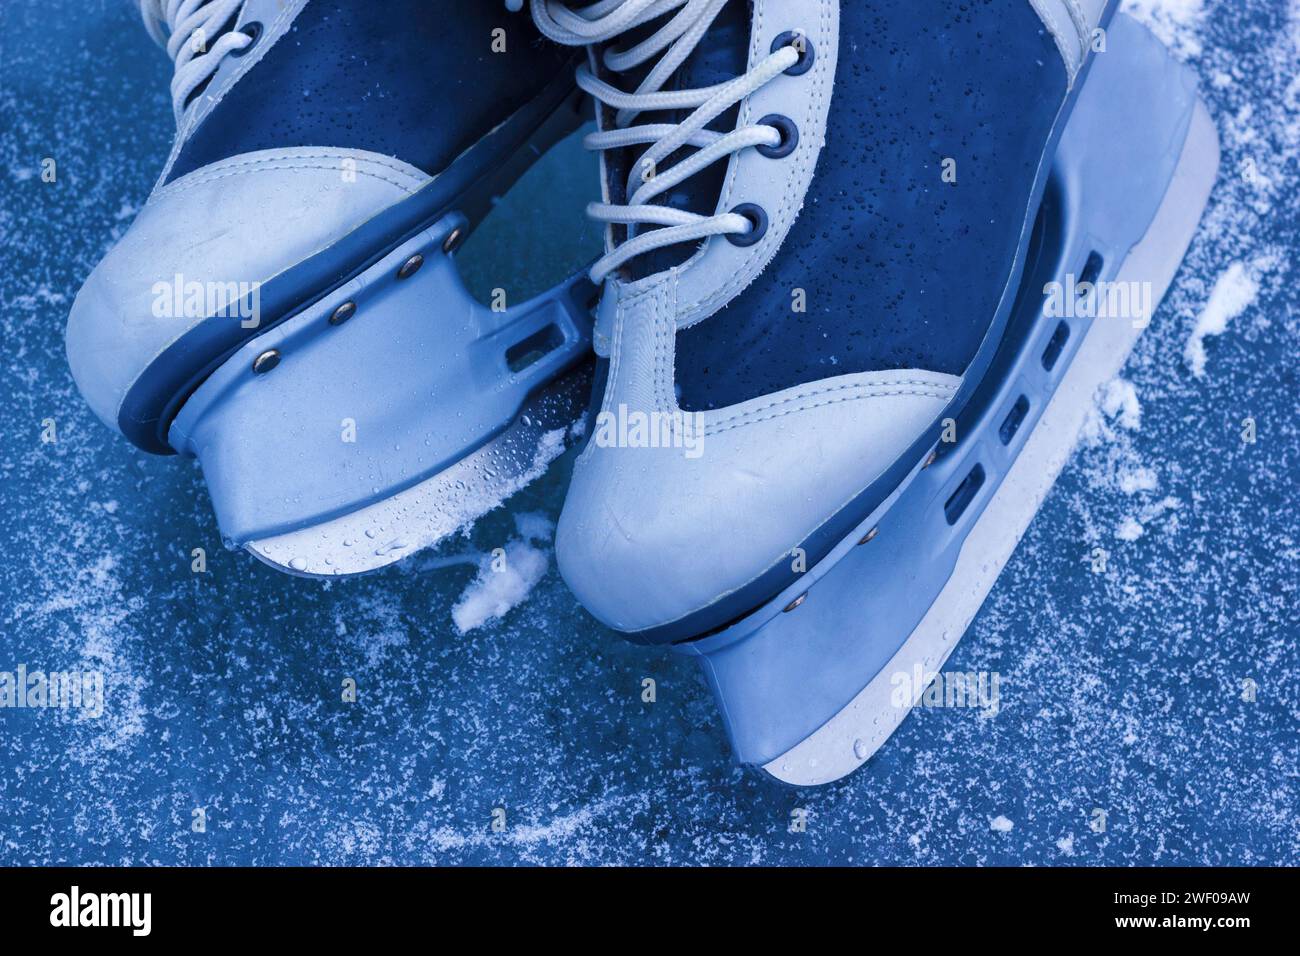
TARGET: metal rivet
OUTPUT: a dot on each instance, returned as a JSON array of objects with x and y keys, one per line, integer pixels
[
  {"x": 453, "y": 239},
  {"x": 266, "y": 361},
  {"x": 870, "y": 534},
  {"x": 343, "y": 313},
  {"x": 795, "y": 603},
  {"x": 410, "y": 267}
]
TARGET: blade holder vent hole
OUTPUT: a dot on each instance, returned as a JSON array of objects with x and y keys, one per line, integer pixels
[
  {"x": 956, "y": 505},
  {"x": 1056, "y": 345},
  {"x": 533, "y": 349},
  {"x": 1091, "y": 269},
  {"x": 1015, "y": 418}
]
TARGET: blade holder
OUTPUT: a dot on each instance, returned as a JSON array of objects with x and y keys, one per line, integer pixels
[{"x": 418, "y": 378}]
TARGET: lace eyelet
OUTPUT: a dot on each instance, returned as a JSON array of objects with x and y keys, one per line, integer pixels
[
  {"x": 804, "y": 46},
  {"x": 254, "y": 32},
  {"x": 789, "y": 136},
  {"x": 757, "y": 217}
]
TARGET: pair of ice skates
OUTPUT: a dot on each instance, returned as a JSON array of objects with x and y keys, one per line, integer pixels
[{"x": 834, "y": 375}]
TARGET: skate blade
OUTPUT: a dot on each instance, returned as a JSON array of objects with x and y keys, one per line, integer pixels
[
  {"x": 856, "y": 732},
  {"x": 385, "y": 532}
]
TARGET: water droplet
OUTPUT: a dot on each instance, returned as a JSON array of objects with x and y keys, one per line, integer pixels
[
  {"x": 298, "y": 564},
  {"x": 860, "y": 749}
]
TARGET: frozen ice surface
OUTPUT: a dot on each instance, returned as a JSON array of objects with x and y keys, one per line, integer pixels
[{"x": 1124, "y": 734}]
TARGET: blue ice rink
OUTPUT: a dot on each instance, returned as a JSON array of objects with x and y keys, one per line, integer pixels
[{"x": 1121, "y": 692}]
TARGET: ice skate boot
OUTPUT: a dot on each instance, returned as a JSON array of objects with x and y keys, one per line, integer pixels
[
  {"x": 286, "y": 306},
  {"x": 852, "y": 320}
]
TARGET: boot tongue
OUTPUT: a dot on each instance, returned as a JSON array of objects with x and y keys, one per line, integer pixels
[{"x": 721, "y": 55}]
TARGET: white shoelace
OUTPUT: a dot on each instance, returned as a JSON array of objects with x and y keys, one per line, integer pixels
[
  {"x": 185, "y": 28},
  {"x": 605, "y": 20}
]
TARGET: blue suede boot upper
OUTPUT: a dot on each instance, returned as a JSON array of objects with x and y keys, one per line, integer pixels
[{"x": 899, "y": 268}]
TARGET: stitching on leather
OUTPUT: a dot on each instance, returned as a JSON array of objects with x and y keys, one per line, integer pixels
[
  {"x": 1080, "y": 26},
  {"x": 662, "y": 330},
  {"x": 404, "y": 187},
  {"x": 656, "y": 347},
  {"x": 1045, "y": 13},
  {"x": 800, "y": 402},
  {"x": 714, "y": 430},
  {"x": 232, "y": 163},
  {"x": 616, "y": 357}
]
